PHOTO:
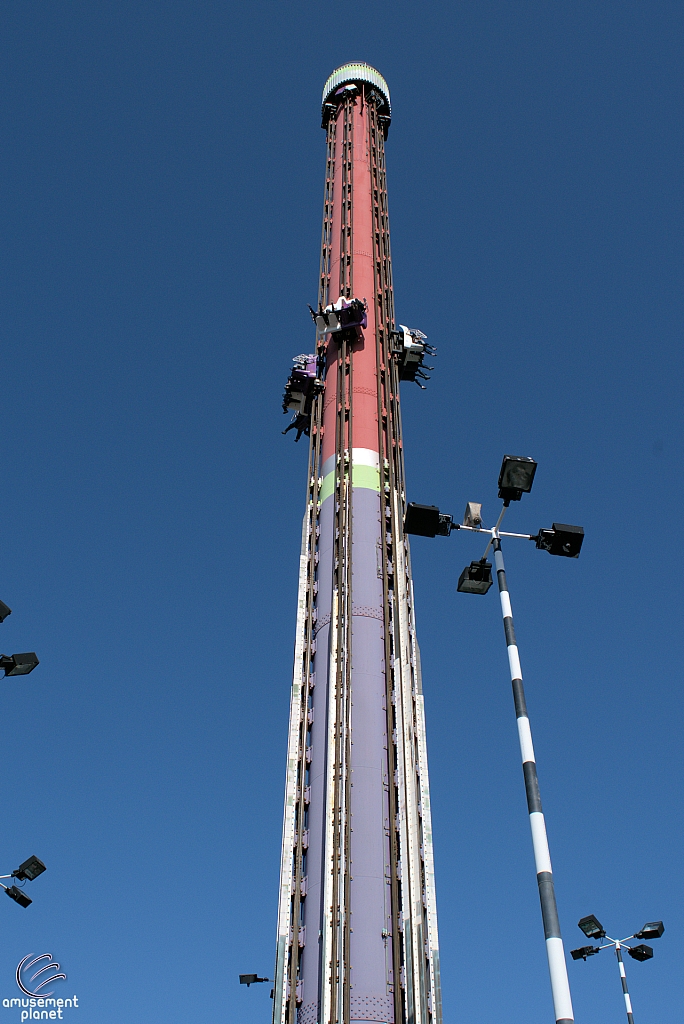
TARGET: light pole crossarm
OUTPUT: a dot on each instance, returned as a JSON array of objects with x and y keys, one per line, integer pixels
[
  {"x": 555, "y": 953},
  {"x": 494, "y": 532}
]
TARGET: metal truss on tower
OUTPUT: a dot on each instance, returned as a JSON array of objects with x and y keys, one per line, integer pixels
[{"x": 357, "y": 922}]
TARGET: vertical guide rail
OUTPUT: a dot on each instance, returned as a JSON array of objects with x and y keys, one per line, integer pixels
[
  {"x": 384, "y": 318},
  {"x": 430, "y": 897},
  {"x": 417, "y": 987},
  {"x": 560, "y": 987},
  {"x": 293, "y": 857},
  {"x": 292, "y": 868},
  {"x": 346, "y": 467},
  {"x": 336, "y": 930}
]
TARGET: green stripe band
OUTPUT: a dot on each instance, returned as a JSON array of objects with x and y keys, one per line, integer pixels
[{"x": 362, "y": 476}]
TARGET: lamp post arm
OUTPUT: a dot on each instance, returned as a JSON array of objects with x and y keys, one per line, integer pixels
[
  {"x": 623, "y": 979},
  {"x": 560, "y": 986}
]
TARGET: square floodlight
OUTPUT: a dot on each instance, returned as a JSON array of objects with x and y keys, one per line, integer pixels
[
  {"x": 516, "y": 477},
  {"x": 248, "y": 979},
  {"x": 583, "y": 952},
  {"x": 19, "y": 896},
  {"x": 30, "y": 869},
  {"x": 652, "y": 930},
  {"x": 19, "y": 664},
  {"x": 4, "y": 611},
  {"x": 476, "y": 578},
  {"x": 592, "y": 927},
  {"x": 561, "y": 540},
  {"x": 422, "y": 520},
  {"x": 641, "y": 952}
]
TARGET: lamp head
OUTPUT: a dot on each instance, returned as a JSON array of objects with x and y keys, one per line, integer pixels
[
  {"x": 4, "y": 611},
  {"x": 561, "y": 540},
  {"x": 426, "y": 521},
  {"x": 18, "y": 664},
  {"x": 583, "y": 952},
  {"x": 30, "y": 869},
  {"x": 516, "y": 477},
  {"x": 476, "y": 578},
  {"x": 592, "y": 927},
  {"x": 19, "y": 896},
  {"x": 652, "y": 930},
  {"x": 641, "y": 952}
]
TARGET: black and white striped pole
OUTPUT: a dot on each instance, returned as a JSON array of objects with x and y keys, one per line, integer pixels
[
  {"x": 593, "y": 929},
  {"x": 623, "y": 979},
  {"x": 515, "y": 479},
  {"x": 558, "y": 972}
]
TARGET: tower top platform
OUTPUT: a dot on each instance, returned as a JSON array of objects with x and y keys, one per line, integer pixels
[{"x": 354, "y": 74}]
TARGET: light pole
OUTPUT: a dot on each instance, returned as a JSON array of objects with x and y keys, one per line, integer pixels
[
  {"x": 515, "y": 479},
  {"x": 593, "y": 929}
]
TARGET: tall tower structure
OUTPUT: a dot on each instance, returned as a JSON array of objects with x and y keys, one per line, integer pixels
[{"x": 357, "y": 922}]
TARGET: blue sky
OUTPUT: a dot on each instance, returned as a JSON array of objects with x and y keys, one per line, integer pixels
[{"x": 162, "y": 187}]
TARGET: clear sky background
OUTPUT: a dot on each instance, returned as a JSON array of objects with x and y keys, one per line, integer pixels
[{"x": 162, "y": 183}]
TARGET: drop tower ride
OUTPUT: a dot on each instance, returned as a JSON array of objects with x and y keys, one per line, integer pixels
[{"x": 357, "y": 922}]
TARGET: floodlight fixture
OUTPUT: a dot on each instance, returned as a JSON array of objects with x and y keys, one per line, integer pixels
[
  {"x": 250, "y": 979},
  {"x": 583, "y": 952},
  {"x": 641, "y": 952},
  {"x": 516, "y": 477},
  {"x": 592, "y": 927},
  {"x": 18, "y": 895},
  {"x": 18, "y": 664},
  {"x": 427, "y": 521},
  {"x": 4, "y": 611},
  {"x": 652, "y": 930},
  {"x": 561, "y": 539},
  {"x": 30, "y": 869},
  {"x": 476, "y": 578}
]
